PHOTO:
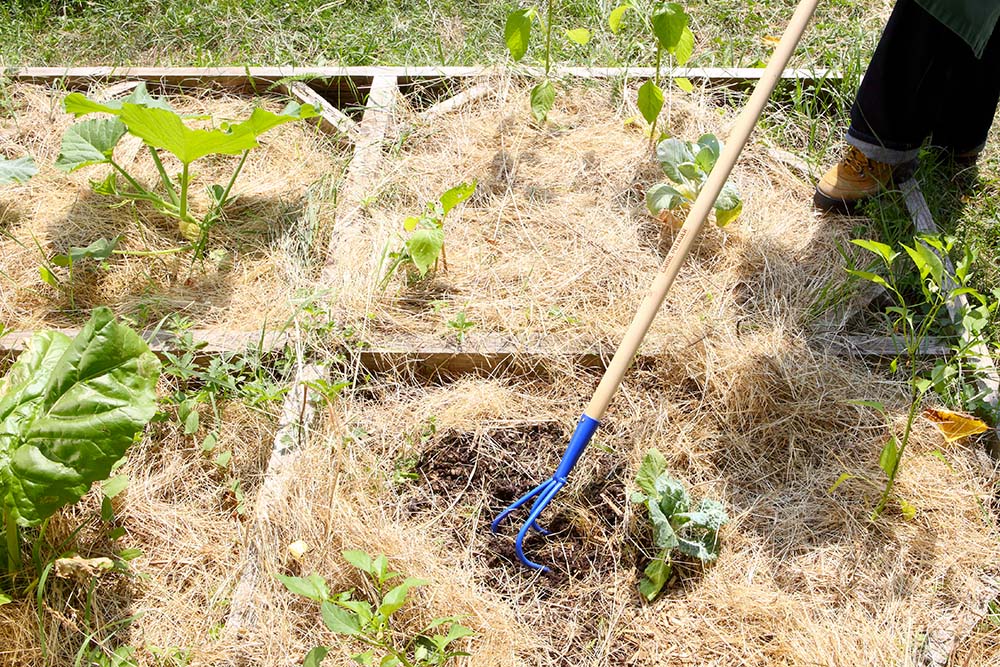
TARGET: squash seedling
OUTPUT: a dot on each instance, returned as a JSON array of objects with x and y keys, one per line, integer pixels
[
  {"x": 425, "y": 244},
  {"x": 93, "y": 141},
  {"x": 669, "y": 25},
  {"x": 370, "y": 623},
  {"x": 517, "y": 33},
  {"x": 675, "y": 528},
  {"x": 687, "y": 165},
  {"x": 69, "y": 409}
]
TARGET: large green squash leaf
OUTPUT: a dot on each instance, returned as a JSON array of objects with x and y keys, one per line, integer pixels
[
  {"x": 89, "y": 142},
  {"x": 164, "y": 129},
  {"x": 68, "y": 411},
  {"x": 17, "y": 171},
  {"x": 80, "y": 105}
]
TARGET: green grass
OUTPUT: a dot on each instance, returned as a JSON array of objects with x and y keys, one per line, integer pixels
[{"x": 396, "y": 32}]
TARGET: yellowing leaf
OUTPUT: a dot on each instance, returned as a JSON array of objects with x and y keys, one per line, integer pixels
[
  {"x": 770, "y": 40},
  {"x": 954, "y": 425}
]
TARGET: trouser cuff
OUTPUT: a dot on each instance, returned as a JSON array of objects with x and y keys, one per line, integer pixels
[{"x": 880, "y": 153}]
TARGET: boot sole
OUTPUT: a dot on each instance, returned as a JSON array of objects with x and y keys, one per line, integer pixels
[{"x": 829, "y": 204}]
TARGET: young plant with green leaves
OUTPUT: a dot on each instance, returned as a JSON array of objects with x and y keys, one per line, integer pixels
[
  {"x": 687, "y": 164},
  {"x": 517, "y": 35},
  {"x": 17, "y": 171},
  {"x": 370, "y": 621},
  {"x": 425, "y": 244},
  {"x": 675, "y": 527},
  {"x": 152, "y": 119},
  {"x": 911, "y": 321},
  {"x": 69, "y": 409},
  {"x": 668, "y": 23}
]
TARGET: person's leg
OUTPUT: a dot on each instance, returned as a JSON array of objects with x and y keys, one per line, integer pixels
[
  {"x": 896, "y": 106},
  {"x": 973, "y": 92}
]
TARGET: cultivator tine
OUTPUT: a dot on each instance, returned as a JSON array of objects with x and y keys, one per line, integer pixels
[{"x": 547, "y": 490}]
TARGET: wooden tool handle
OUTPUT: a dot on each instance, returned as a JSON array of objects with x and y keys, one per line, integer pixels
[{"x": 699, "y": 211}]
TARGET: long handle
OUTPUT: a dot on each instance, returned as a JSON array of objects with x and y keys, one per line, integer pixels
[{"x": 699, "y": 212}]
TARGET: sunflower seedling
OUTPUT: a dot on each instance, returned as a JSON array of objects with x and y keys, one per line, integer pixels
[
  {"x": 687, "y": 165},
  {"x": 425, "y": 244},
  {"x": 517, "y": 34},
  {"x": 669, "y": 26},
  {"x": 675, "y": 528},
  {"x": 371, "y": 622}
]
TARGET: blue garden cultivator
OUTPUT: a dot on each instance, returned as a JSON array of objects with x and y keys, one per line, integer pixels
[{"x": 542, "y": 495}]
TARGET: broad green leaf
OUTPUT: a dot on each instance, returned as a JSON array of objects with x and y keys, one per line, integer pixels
[
  {"x": 723, "y": 217},
  {"x": 456, "y": 195},
  {"x": 99, "y": 250},
  {"x": 129, "y": 554},
  {"x": 315, "y": 657},
  {"x": 712, "y": 144},
  {"x": 881, "y": 249},
  {"x": 923, "y": 385},
  {"x": 889, "y": 457},
  {"x": 672, "y": 498},
  {"x": 360, "y": 607},
  {"x": 934, "y": 264},
  {"x": 705, "y": 159},
  {"x": 714, "y": 514},
  {"x": 653, "y": 465},
  {"x": 844, "y": 476},
  {"x": 705, "y": 547},
  {"x": 164, "y": 129},
  {"x": 869, "y": 276},
  {"x": 89, "y": 142},
  {"x": 669, "y": 24},
  {"x": 5, "y": 599},
  {"x": 48, "y": 277},
  {"x": 68, "y": 411},
  {"x": 112, "y": 487},
  {"x": 455, "y": 632},
  {"x": 424, "y": 247},
  {"x": 662, "y": 197},
  {"x": 366, "y": 659},
  {"x": 396, "y": 597},
  {"x": 650, "y": 101},
  {"x": 543, "y": 97},
  {"x": 339, "y": 620},
  {"x": 410, "y": 223},
  {"x": 692, "y": 173},
  {"x": 671, "y": 153},
  {"x": 663, "y": 533},
  {"x": 685, "y": 48},
  {"x": 79, "y": 105},
  {"x": 313, "y": 587},
  {"x": 616, "y": 17},
  {"x": 656, "y": 575},
  {"x": 684, "y": 83},
  {"x": 579, "y": 35},
  {"x": 17, "y": 171},
  {"x": 516, "y": 32}
]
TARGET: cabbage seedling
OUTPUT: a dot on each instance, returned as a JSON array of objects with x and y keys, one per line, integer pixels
[
  {"x": 17, "y": 171},
  {"x": 675, "y": 527},
  {"x": 69, "y": 408},
  {"x": 425, "y": 244},
  {"x": 93, "y": 141},
  {"x": 687, "y": 165}
]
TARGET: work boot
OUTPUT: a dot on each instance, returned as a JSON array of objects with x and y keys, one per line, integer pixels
[{"x": 852, "y": 180}]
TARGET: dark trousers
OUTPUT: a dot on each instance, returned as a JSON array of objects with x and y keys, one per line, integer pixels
[{"x": 924, "y": 81}]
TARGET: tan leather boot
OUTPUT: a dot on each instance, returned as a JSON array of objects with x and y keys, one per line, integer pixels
[{"x": 853, "y": 179}]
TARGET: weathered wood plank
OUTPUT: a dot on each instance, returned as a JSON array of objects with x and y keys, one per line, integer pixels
[
  {"x": 885, "y": 347},
  {"x": 241, "y": 77},
  {"x": 979, "y": 356},
  {"x": 457, "y": 101},
  {"x": 331, "y": 119}
]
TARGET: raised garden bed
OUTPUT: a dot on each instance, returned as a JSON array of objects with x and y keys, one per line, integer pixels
[{"x": 547, "y": 260}]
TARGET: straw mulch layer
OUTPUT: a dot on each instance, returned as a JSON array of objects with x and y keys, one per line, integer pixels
[
  {"x": 742, "y": 398},
  {"x": 262, "y": 250}
]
